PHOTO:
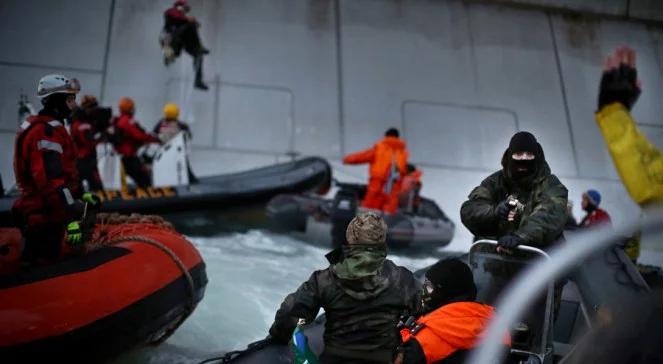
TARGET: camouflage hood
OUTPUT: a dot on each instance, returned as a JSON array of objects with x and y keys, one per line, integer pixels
[{"x": 361, "y": 273}]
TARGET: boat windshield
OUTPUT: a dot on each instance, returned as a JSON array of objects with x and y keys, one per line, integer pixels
[{"x": 493, "y": 272}]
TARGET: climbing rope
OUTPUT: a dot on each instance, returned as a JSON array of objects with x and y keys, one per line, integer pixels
[
  {"x": 102, "y": 239},
  {"x": 232, "y": 355}
]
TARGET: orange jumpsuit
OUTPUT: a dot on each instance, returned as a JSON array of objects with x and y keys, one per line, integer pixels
[
  {"x": 452, "y": 327},
  {"x": 388, "y": 165}
]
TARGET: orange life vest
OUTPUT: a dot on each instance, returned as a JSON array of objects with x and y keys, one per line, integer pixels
[{"x": 452, "y": 327}]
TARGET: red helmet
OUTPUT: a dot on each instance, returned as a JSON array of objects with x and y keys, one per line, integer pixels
[{"x": 182, "y": 3}]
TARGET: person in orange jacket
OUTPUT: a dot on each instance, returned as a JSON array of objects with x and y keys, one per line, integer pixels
[
  {"x": 408, "y": 198},
  {"x": 388, "y": 164},
  {"x": 129, "y": 136},
  {"x": 453, "y": 322}
]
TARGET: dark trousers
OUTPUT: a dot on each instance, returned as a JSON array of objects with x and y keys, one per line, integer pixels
[
  {"x": 43, "y": 242},
  {"x": 186, "y": 37},
  {"x": 137, "y": 171},
  {"x": 87, "y": 171}
]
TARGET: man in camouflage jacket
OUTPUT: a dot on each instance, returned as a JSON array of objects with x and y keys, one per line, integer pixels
[
  {"x": 363, "y": 295},
  {"x": 537, "y": 218}
]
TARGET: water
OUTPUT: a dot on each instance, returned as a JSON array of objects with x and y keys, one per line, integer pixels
[{"x": 249, "y": 275}]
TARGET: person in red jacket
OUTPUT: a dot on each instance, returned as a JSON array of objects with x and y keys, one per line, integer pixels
[
  {"x": 45, "y": 170},
  {"x": 453, "y": 322},
  {"x": 388, "y": 165},
  {"x": 86, "y": 138},
  {"x": 183, "y": 31},
  {"x": 595, "y": 216},
  {"x": 129, "y": 136}
]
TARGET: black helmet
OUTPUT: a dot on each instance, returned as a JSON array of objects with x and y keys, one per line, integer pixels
[{"x": 447, "y": 281}]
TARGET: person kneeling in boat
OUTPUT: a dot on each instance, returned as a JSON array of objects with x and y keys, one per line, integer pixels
[
  {"x": 452, "y": 321},
  {"x": 388, "y": 165},
  {"x": 363, "y": 295},
  {"x": 45, "y": 170},
  {"x": 409, "y": 196}
]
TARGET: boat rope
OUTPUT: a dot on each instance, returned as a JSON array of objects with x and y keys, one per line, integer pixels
[{"x": 230, "y": 356}]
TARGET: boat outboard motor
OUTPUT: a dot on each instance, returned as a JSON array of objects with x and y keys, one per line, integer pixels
[{"x": 344, "y": 209}]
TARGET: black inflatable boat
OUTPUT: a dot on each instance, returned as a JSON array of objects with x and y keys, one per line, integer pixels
[
  {"x": 542, "y": 336},
  {"x": 314, "y": 217},
  {"x": 310, "y": 174}
]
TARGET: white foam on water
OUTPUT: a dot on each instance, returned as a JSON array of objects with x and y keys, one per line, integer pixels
[{"x": 249, "y": 276}]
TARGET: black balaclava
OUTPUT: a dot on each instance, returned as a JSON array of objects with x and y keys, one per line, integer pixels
[
  {"x": 523, "y": 142},
  {"x": 448, "y": 281},
  {"x": 55, "y": 105}
]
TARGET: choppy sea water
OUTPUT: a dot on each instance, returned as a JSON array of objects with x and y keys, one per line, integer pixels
[{"x": 249, "y": 275}]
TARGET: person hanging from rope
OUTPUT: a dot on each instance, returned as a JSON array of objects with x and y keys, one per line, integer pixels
[
  {"x": 45, "y": 170},
  {"x": 181, "y": 31}
]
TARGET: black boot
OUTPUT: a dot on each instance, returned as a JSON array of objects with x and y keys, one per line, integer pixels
[
  {"x": 198, "y": 66},
  {"x": 199, "y": 84}
]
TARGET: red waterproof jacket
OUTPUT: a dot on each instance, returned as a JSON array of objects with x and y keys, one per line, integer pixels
[
  {"x": 174, "y": 18},
  {"x": 596, "y": 218},
  {"x": 45, "y": 169},
  {"x": 452, "y": 327},
  {"x": 83, "y": 134},
  {"x": 130, "y": 135}
]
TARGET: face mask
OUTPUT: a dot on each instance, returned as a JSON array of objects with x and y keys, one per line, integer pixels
[{"x": 522, "y": 168}]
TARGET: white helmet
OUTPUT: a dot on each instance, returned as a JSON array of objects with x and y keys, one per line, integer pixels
[{"x": 57, "y": 84}]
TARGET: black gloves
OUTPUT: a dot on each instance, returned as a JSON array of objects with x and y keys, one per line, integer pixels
[
  {"x": 509, "y": 241},
  {"x": 619, "y": 84},
  {"x": 503, "y": 209}
]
